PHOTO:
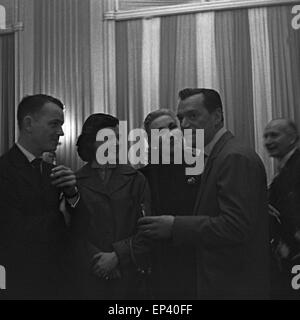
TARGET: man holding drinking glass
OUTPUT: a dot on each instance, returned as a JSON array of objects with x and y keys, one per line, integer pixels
[{"x": 35, "y": 244}]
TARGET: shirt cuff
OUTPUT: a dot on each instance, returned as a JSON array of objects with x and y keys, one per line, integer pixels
[{"x": 73, "y": 202}]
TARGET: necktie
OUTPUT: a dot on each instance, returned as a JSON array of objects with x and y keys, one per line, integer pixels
[{"x": 37, "y": 165}]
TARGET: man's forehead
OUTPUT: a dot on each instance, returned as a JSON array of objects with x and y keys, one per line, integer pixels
[
  {"x": 52, "y": 110},
  {"x": 191, "y": 103},
  {"x": 277, "y": 125}
]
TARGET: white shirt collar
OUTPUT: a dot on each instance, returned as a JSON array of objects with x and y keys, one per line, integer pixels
[
  {"x": 209, "y": 148},
  {"x": 285, "y": 159},
  {"x": 30, "y": 157}
]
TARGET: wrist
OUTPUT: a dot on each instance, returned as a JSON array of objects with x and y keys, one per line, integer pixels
[{"x": 115, "y": 259}]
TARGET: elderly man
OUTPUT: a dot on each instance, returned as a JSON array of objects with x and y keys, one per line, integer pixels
[
  {"x": 281, "y": 139},
  {"x": 34, "y": 242},
  {"x": 228, "y": 227}
]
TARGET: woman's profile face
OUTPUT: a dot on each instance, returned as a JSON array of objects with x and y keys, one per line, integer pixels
[
  {"x": 164, "y": 122},
  {"x": 169, "y": 125}
]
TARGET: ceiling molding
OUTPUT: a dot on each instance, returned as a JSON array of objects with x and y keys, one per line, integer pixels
[{"x": 148, "y": 13}]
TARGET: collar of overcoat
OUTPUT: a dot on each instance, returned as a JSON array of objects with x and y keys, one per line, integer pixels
[
  {"x": 23, "y": 166},
  {"x": 121, "y": 175}
]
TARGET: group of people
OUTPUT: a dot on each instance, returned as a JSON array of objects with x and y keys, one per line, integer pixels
[{"x": 110, "y": 231}]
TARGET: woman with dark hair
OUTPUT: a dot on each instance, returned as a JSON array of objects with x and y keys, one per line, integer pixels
[{"x": 116, "y": 195}]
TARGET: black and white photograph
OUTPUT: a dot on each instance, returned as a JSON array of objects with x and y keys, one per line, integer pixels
[{"x": 149, "y": 152}]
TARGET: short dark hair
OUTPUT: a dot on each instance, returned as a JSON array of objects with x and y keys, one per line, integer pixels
[
  {"x": 90, "y": 129},
  {"x": 212, "y": 97},
  {"x": 31, "y": 105},
  {"x": 156, "y": 114}
]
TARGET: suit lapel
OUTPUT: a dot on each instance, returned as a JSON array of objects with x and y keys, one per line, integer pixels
[
  {"x": 23, "y": 167},
  {"x": 292, "y": 162},
  {"x": 208, "y": 167},
  {"x": 88, "y": 177},
  {"x": 284, "y": 180},
  {"x": 120, "y": 177}
]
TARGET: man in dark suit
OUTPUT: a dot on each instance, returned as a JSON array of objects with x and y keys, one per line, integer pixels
[
  {"x": 281, "y": 140},
  {"x": 229, "y": 225},
  {"x": 34, "y": 241}
]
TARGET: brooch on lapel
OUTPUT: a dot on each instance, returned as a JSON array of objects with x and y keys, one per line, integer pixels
[{"x": 191, "y": 180}]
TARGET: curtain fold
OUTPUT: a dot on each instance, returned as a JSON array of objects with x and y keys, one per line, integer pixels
[
  {"x": 135, "y": 95},
  {"x": 129, "y": 72},
  {"x": 68, "y": 50},
  {"x": 178, "y": 58},
  {"x": 168, "y": 45},
  {"x": 7, "y": 92},
  {"x": 285, "y": 65},
  {"x": 122, "y": 69},
  {"x": 207, "y": 76},
  {"x": 233, "y": 52},
  {"x": 185, "y": 54},
  {"x": 129, "y": 68},
  {"x": 62, "y": 64},
  {"x": 103, "y": 57},
  {"x": 261, "y": 70},
  {"x": 150, "y": 65}
]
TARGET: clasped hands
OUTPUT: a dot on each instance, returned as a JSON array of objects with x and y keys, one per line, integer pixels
[{"x": 105, "y": 266}]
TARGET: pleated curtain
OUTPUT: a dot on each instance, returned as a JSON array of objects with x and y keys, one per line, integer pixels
[
  {"x": 62, "y": 64},
  {"x": 67, "y": 50},
  {"x": 234, "y": 67},
  {"x": 285, "y": 63},
  {"x": 261, "y": 78},
  {"x": 129, "y": 68},
  {"x": 251, "y": 56}
]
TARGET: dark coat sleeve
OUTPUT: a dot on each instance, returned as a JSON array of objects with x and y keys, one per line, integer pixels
[
  {"x": 239, "y": 184},
  {"x": 19, "y": 225},
  {"x": 79, "y": 217},
  {"x": 294, "y": 200},
  {"x": 134, "y": 250},
  {"x": 290, "y": 209}
]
